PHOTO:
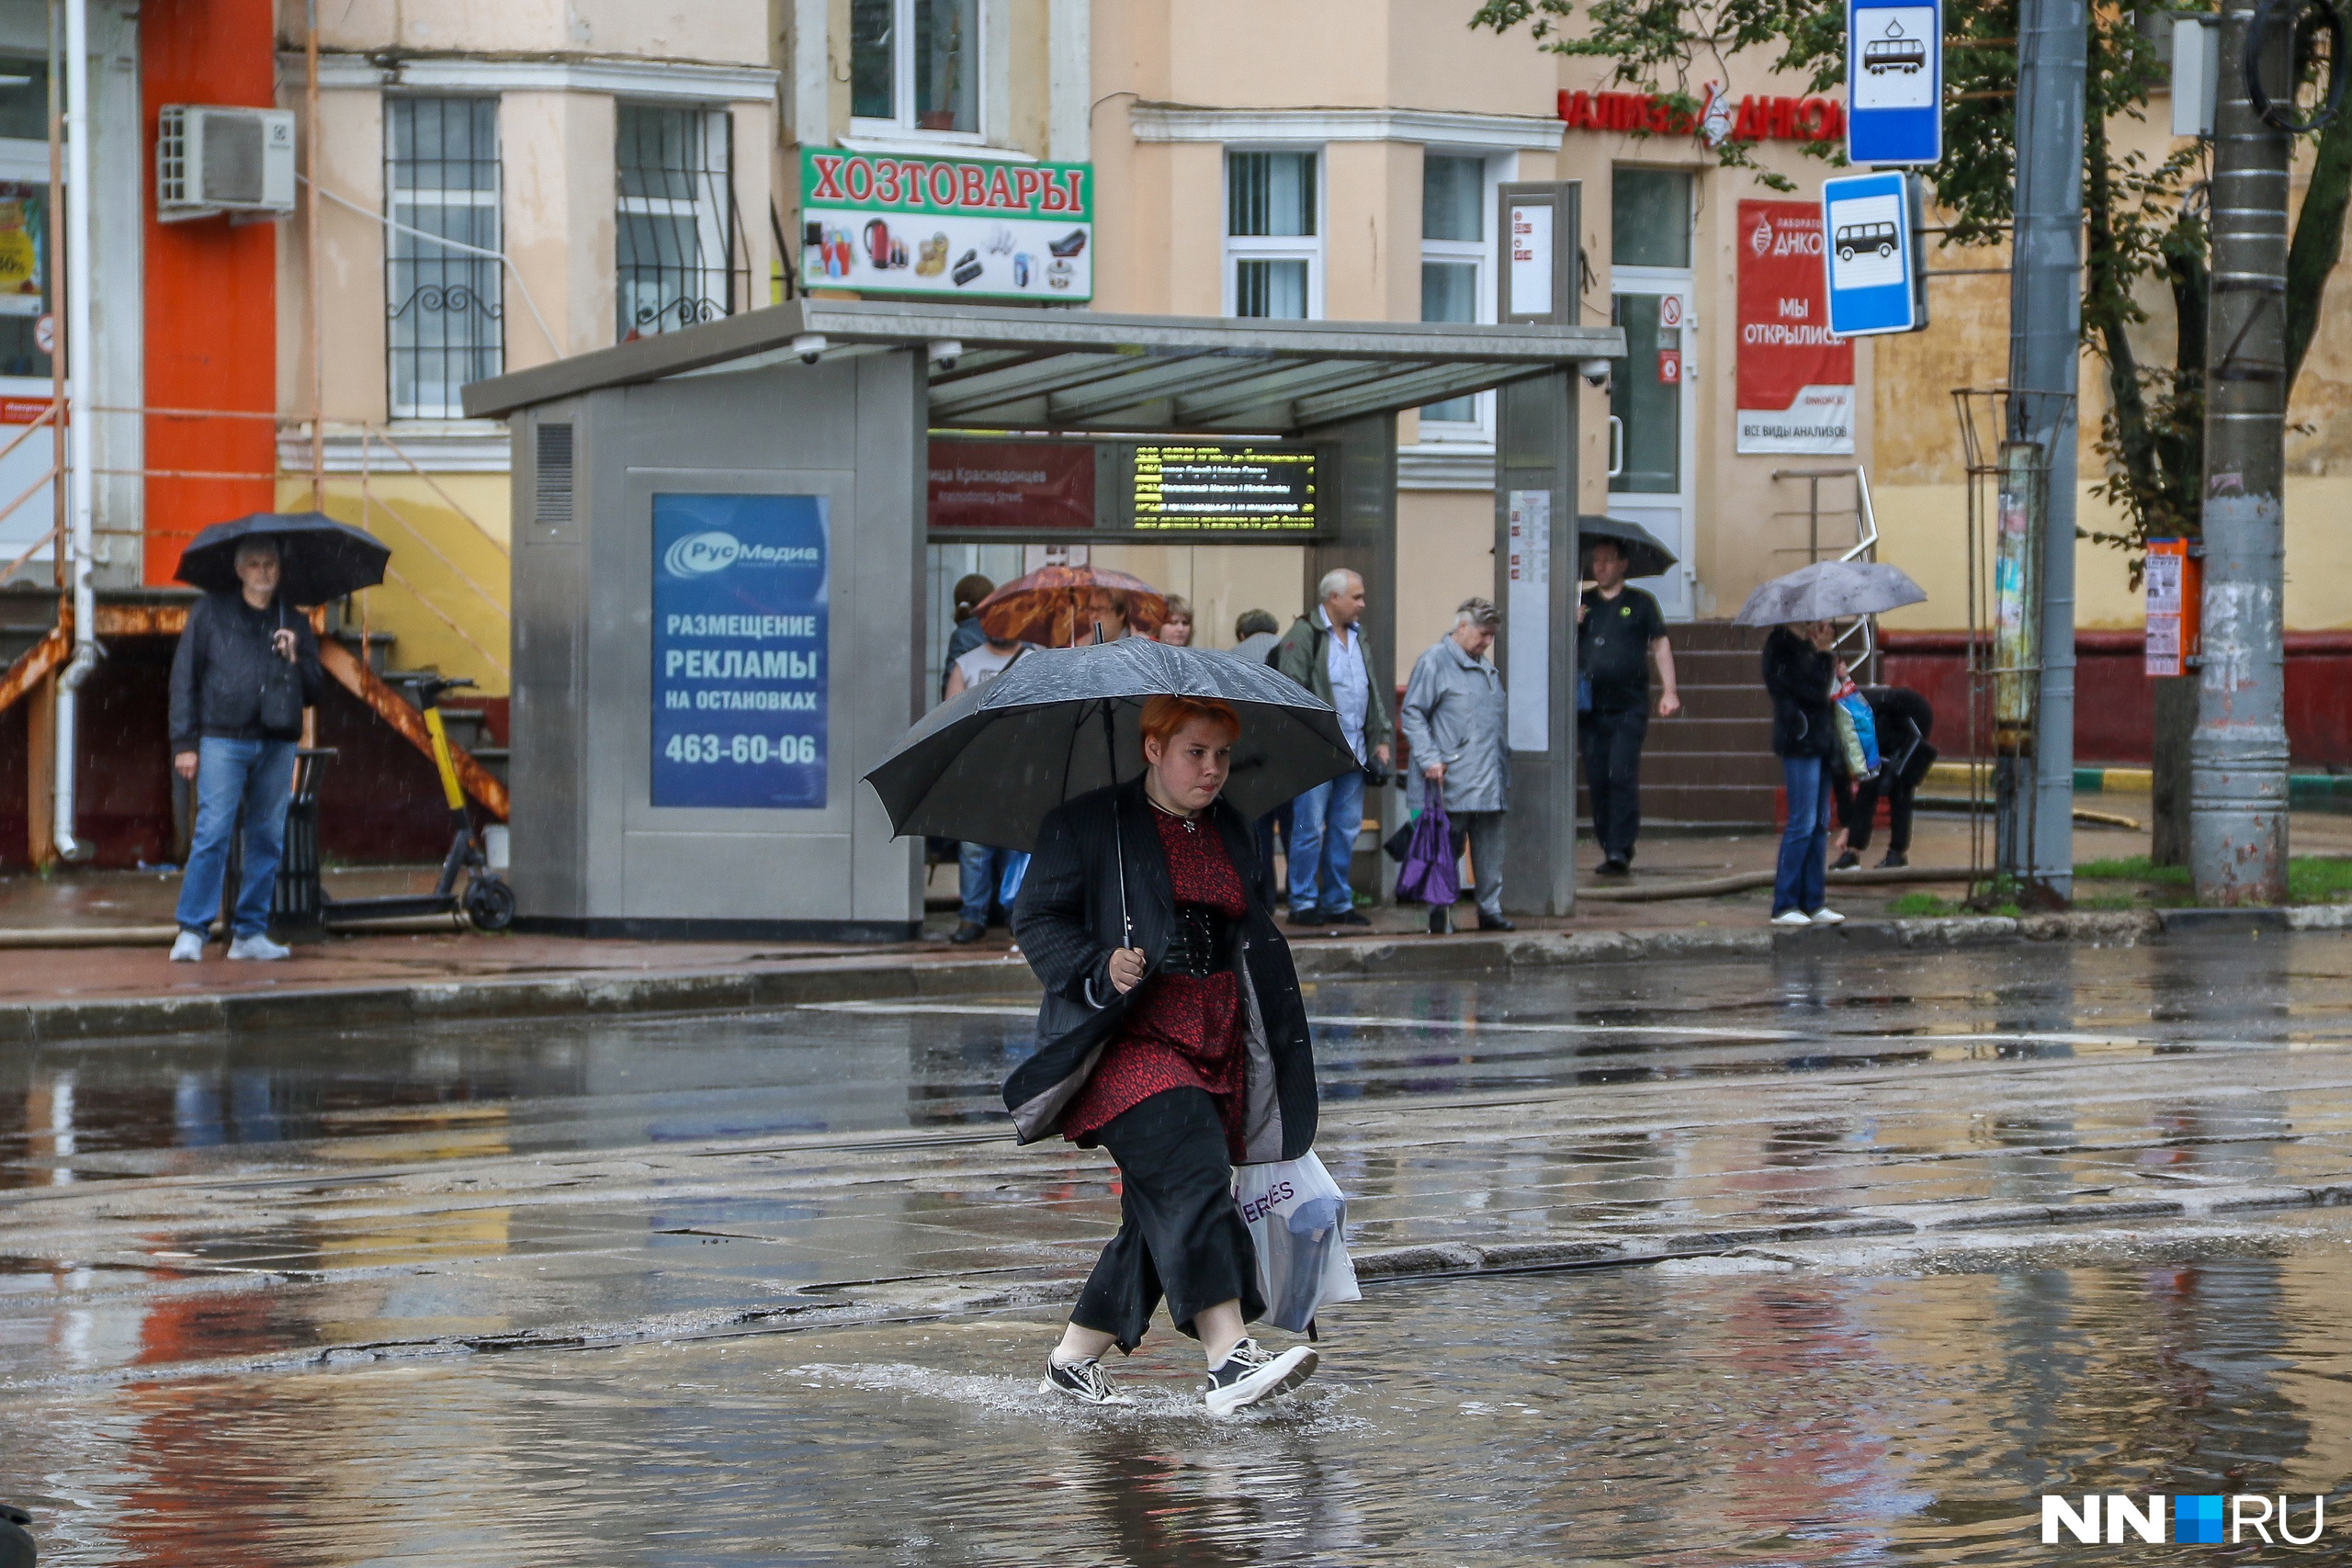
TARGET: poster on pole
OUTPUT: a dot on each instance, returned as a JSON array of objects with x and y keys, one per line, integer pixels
[
  {"x": 1528, "y": 621},
  {"x": 740, "y": 617},
  {"x": 1868, "y": 243},
  {"x": 1795, "y": 379}
]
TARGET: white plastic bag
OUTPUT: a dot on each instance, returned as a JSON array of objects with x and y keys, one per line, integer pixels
[{"x": 1298, "y": 1219}]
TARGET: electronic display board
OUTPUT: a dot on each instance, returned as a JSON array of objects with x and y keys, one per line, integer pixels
[{"x": 1216, "y": 487}]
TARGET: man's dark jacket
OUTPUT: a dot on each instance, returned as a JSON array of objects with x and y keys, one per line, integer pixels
[
  {"x": 225, "y": 656},
  {"x": 1797, "y": 675},
  {"x": 1067, "y": 920}
]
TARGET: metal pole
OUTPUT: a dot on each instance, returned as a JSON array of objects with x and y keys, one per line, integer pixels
[
  {"x": 82, "y": 374},
  {"x": 2237, "y": 759},
  {"x": 310, "y": 245},
  {"x": 2046, "y": 346}
]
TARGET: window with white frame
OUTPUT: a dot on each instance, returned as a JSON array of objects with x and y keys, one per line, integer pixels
[
  {"x": 675, "y": 229},
  {"x": 444, "y": 307},
  {"x": 1457, "y": 273},
  {"x": 1274, "y": 252},
  {"x": 915, "y": 64}
]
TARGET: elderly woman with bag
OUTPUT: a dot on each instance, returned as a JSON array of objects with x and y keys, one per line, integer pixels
[{"x": 1173, "y": 1033}]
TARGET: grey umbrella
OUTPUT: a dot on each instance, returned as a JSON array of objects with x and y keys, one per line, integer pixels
[
  {"x": 1645, "y": 554},
  {"x": 1829, "y": 591},
  {"x": 988, "y": 764}
]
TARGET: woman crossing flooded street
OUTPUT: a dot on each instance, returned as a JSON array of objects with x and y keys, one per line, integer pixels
[{"x": 1173, "y": 1034}]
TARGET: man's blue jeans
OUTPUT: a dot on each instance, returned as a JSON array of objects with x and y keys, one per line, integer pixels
[
  {"x": 1323, "y": 827},
  {"x": 259, "y": 774},
  {"x": 982, "y": 867},
  {"x": 1801, "y": 880}
]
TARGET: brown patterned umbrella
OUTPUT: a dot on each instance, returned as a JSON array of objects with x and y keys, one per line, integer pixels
[{"x": 1046, "y": 607}]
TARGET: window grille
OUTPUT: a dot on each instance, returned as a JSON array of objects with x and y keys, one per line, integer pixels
[
  {"x": 678, "y": 236},
  {"x": 445, "y": 308}
]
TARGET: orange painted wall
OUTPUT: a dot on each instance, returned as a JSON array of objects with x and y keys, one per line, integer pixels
[{"x": 211, "y": 319}]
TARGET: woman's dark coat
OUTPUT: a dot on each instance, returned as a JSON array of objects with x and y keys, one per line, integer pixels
[
  {"x": 1067, "y": 920},
  {"x": 1797, "y": 674}
]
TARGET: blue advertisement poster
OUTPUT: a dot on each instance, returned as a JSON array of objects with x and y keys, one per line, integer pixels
[{"x": 739, "y": 622}]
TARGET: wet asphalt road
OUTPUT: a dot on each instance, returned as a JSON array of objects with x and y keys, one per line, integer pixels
[{"x": 1872, "y": 1400}]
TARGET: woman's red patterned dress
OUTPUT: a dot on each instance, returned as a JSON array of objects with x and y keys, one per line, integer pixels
[{"x": 1184, "y": 1032}]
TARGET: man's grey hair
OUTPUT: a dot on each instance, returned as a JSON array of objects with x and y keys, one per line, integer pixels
[
  {"x": 1335, "y": 581},
  {"x": 1476, "y": 612},
  {"x": 261, "y": 547}
]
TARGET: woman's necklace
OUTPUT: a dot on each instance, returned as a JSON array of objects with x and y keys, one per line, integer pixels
[{"x": 1191, "y": 823}]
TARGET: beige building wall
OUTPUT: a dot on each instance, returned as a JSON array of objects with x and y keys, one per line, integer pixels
[{"x": 437, "y": 490}]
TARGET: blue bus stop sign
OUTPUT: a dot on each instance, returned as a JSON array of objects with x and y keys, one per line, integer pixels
[
  {"x": 1866, "y": 248},
  {"x": 1894, "y": 82}
]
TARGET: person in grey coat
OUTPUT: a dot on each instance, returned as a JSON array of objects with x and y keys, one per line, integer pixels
[{"x": 1455, "y": 719}]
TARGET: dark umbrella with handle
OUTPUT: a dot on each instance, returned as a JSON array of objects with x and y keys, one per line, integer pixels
[
  {"x": 1645, "y": 553},
  {"x": 318, "y": 558},
  {"x": 988, "y": 764}
]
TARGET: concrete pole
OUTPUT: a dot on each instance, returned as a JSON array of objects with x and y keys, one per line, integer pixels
[
  {"x": 2045, "y": 351},
  {"x": 2237, "y": 760}
]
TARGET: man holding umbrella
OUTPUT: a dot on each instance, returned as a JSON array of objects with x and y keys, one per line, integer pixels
[
  {"x": 247, "y": 666},
  {"x": 1619, "y": 630}
]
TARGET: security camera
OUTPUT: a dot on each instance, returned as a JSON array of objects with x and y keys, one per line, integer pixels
[
  {"x": 945, "y": 351},
  {"x": 809, "y": 345},
  {"x": 1595, "y": 371}
]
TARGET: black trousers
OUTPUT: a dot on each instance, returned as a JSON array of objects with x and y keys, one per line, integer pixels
[
  {"x": 1901, "y": 787},
  {"x": 1179, "y": 1234},
  {"x": 1612, "y": 742}
]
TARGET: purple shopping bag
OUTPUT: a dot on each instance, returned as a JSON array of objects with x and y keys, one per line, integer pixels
[{"x": 1430, "y": 875}]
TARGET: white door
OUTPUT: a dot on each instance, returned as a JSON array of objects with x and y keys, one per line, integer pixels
[{"x": 1651, "y": 442}]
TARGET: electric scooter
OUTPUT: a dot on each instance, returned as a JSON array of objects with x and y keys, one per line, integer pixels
[{"x": 486, "y": 900}]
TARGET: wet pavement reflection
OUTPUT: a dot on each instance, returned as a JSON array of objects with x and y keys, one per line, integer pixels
[
  {"x": 132, "y": 1109},
  {"x": 1846, "y": 1409}
]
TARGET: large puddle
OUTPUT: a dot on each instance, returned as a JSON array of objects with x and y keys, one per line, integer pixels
[
  {"x": 1730, "y": 1412},
  {"x": 140, "y": 1107}
]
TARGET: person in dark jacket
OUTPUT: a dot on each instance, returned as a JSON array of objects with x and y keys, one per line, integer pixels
[
  {"x": 1173, "y": 1033},
  {"x": 1905, "y": 721},
  {"x": 1798, "y": 671},
  {"x": 246, "y": 668}
]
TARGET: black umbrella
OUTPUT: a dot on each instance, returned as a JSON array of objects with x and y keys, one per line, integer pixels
[
  {"x": 318, "y": 558},
  {"x": 988, "y": 764},
  {"x": 1645, "y": 555}
]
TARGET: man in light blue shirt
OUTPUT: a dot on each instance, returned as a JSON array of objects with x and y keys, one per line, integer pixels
[{"x": 1324, "y": 652}]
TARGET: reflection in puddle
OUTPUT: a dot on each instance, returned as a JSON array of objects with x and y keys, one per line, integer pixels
[{"x": 1687, "y": 1415}]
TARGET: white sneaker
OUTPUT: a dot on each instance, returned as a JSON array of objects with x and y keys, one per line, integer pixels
[
  {"x": 1085, "y": 1381},
  {"x": 187, "y": 947},
  {"x": 1251, "y": 1373},
  {"x": 1792, "y": 918},
  {"x": 259, "y": 947},
  {"x": 1826, "y": 917}
]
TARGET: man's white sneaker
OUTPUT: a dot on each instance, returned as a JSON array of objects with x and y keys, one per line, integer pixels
[
  {"x": 1251, "y": 1373},
  {"x": 187, "y": 947},
  {"x": 1792, "y": 918},
  {"x": 1085, "y": 1381},
  {"x": 1826, "y": 917},
  {"x": 259, "y": 947}
]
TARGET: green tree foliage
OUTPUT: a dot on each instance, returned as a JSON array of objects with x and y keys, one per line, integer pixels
[{"x": 2146, "y": 224}]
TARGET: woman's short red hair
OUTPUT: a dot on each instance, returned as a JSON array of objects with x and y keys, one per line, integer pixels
[{"x": 1164, "y": 715}]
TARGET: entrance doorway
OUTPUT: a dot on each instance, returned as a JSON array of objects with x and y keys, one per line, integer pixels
[{"x": 1651, "y": 442}]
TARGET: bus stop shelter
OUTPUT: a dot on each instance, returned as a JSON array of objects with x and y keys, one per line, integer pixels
[{"x": 719, "y": 564}]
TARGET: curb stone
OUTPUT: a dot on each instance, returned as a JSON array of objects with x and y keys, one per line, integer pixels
[{"x": 894, "y": 979}]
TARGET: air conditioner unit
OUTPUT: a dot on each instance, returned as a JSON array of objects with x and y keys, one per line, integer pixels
[{"x": 211, "y": 160}]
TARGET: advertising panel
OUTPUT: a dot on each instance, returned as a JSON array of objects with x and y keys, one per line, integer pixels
[
  {"x": 739, "y": 623},
  {"x": 1010, "y": 484},
  {"x": 961, "y": 226},
  {"x": 1795, "y": 380},
  {"x": 1527, "y": 611}
]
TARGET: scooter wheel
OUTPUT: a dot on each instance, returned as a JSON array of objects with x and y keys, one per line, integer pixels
[{"x": 490, "y": 904}]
